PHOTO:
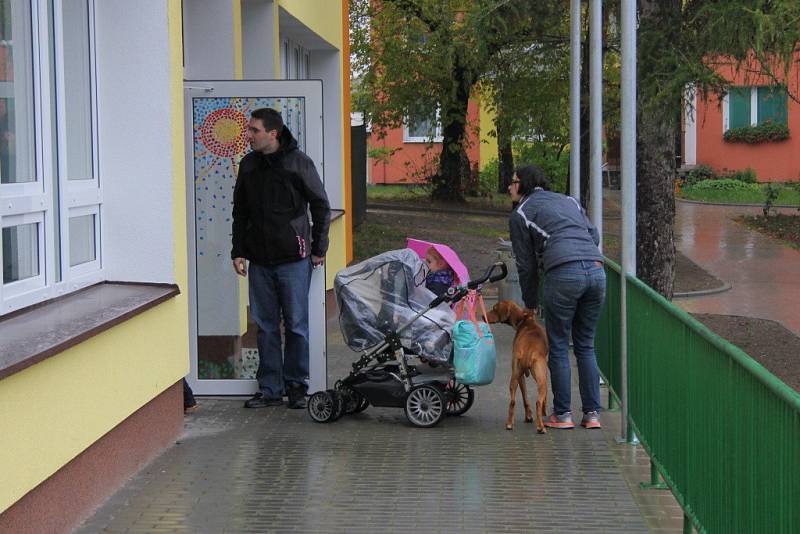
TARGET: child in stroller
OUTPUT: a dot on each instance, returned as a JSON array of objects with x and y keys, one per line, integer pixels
[{"x": 385, "y": 312}]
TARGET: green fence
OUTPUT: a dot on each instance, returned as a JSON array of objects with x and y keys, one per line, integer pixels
[{"x": 722, "y": 430}]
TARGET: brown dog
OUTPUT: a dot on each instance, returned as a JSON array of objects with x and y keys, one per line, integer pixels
[{"x": 529, "y": 355}]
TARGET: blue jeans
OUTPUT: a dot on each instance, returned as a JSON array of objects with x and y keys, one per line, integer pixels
[
  {"x": 275, "y": 291},
  {"x": 573, "y": 298}
]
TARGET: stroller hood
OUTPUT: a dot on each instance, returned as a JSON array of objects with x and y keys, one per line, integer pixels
[{"x": 385, "y": 292}]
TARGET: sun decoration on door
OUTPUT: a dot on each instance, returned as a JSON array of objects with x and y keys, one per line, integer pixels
[
  {"x": 219, "y": 142},
  {"x": 222, "y": 133}
]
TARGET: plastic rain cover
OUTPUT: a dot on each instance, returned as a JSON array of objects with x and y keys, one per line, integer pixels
[{"x": 385, "y": 292}]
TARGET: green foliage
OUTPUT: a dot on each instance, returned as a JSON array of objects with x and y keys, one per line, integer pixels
[
  {"x": 771, "y": 193},
  {"x": 730, "y": 191},
  {"x": 747, "y": 175},
  {"x": 700, "y": 173},
  {"x": 414, "y": 57},
  {"x": 766, "y": 132},
  {"x": 382, "y": 154},
  {"x": 553, "y": 160},
  {"x": 724, "y": 184},
  {"x": 489, "y": 175}
]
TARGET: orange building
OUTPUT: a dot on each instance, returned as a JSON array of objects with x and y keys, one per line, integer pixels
[
  {"x": 409, "y": 156},
  {"x": 751, "y": 101}
]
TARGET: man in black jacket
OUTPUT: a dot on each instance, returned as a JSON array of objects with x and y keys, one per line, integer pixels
[{"x": 276, "y": 187}]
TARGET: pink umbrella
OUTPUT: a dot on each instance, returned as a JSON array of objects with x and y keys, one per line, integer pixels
[{"x": 449, "y": 255}]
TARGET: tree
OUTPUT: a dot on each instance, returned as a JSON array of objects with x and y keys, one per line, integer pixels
[
  {"x": 528, "y": 90},
  {"x": 420, "y": 56},
  {"x": 680, "y": 42}
]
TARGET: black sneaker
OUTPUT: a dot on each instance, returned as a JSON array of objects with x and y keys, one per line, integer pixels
[
  {"x": 297, "y": 398},
  {"x": 260, "y": 401}
]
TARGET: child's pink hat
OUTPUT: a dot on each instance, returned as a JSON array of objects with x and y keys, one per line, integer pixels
[{"x": 449, "y": 255}]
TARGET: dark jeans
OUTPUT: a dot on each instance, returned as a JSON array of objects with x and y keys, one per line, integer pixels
[
  {"x": 275, "y": 291},
  {"x": 573, "y": 298}
]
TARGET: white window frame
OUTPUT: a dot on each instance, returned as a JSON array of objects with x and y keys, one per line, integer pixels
[
  {"x": 27, "y": 285},
  {"x": 437, "y": 131},
  {"x": 90, "y": 267},
  {"x": 726, "y": 109},
  {"x": 34, "y": 201},
  {"x": 295, "y": 61}
]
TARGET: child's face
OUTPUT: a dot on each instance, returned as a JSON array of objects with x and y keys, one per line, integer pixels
[{"x": 434, "y": 264}]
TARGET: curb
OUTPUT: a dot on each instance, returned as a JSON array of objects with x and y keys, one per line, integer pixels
[
  {"x": 437, "y": 209},
  {"x": 703, "y": 203},
  {"x": 702, "y": 292}
]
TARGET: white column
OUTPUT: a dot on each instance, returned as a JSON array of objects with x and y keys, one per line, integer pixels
[
  {"x": 690, "y": 126},
  {"x": 258, "y": 39},
  {"x": 208, "y": 39},
  {"x": 596, "y": 114},
  {"x": 628, "y": 138},
  {"x": 575, "y": 100}
]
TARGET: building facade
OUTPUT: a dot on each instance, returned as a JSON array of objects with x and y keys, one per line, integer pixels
[
  {"x": 409, "y": 154},
  {"x": 99, "y": 237},
  {"x": 752, "y": 101}
]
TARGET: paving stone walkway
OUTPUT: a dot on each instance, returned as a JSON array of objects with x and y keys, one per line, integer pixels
[{"x": 274, "y": 470}]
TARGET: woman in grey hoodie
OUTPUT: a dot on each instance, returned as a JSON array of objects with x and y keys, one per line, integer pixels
[{"x": 554, "y": 229}]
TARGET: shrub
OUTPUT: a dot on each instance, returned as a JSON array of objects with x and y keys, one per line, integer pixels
[
  {"x": 489, "y": 175},
  {"x": 761, "y": 133},
  {"x": 747, "y": 175},
  {"x": 700, "y": 173},
  {"x": 724, "y": 184},
  {"x": 771, "y": 192}
]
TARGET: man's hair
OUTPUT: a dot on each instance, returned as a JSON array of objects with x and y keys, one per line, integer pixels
[
  {"x": 530, "y": 177},
  {"x": 270, "y": 118}
]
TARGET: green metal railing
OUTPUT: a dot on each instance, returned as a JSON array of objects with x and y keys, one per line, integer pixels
[{"x": 723, "y": 431}]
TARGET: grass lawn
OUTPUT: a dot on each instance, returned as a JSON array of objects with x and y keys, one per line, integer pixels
[
  {"x": 420, "y": 195},
  {"x": 788, "y": 196},
  {"x": 782, "y": 226},
  {"x": 371, "y": 239}
]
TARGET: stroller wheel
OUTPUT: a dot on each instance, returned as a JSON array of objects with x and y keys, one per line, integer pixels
[
  {"x": 363, "y": 403},
  {"x": 322, "y": 407},
  {"x": 459, "y": 398},
  {"x": 353, "y": 400},
  {"x": 425, "y": 406},
  {"x": 338, "y": 404}
]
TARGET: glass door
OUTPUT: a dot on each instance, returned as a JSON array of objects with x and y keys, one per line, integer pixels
[{"x": 224, "y": 355}]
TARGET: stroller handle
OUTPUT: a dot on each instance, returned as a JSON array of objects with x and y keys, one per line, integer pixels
[{"x": 488, "y": 275}]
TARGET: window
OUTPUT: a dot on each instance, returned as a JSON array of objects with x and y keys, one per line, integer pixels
[
  {"x": 423, "y": 129},
  {"x": 51, "y": 206},
  {"x": 750, "y": 106},
  {"x": 295, "y": 61}
]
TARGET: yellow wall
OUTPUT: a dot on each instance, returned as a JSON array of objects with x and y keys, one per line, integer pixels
[
  {"x": 59, "y": 407},
  {"x": 337, "y": 253},
  {"x": 238, "y": 55},
  {"x": 488, "y": 149},
  {"x": 320, "y": 16}
]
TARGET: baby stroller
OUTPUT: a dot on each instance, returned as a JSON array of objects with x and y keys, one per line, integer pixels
[{"x": 386, "y": 312}]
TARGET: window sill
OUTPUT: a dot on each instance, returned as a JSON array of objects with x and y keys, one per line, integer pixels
[
  {"x": 422, "y": 140},
  {"x": 33, "y": 334}
]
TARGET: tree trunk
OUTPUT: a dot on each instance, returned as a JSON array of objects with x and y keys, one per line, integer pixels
[
  {"x": 505, "y": 157},
  {"x": 453, "y": 163},
  {"x": 655, "y": 156}
]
